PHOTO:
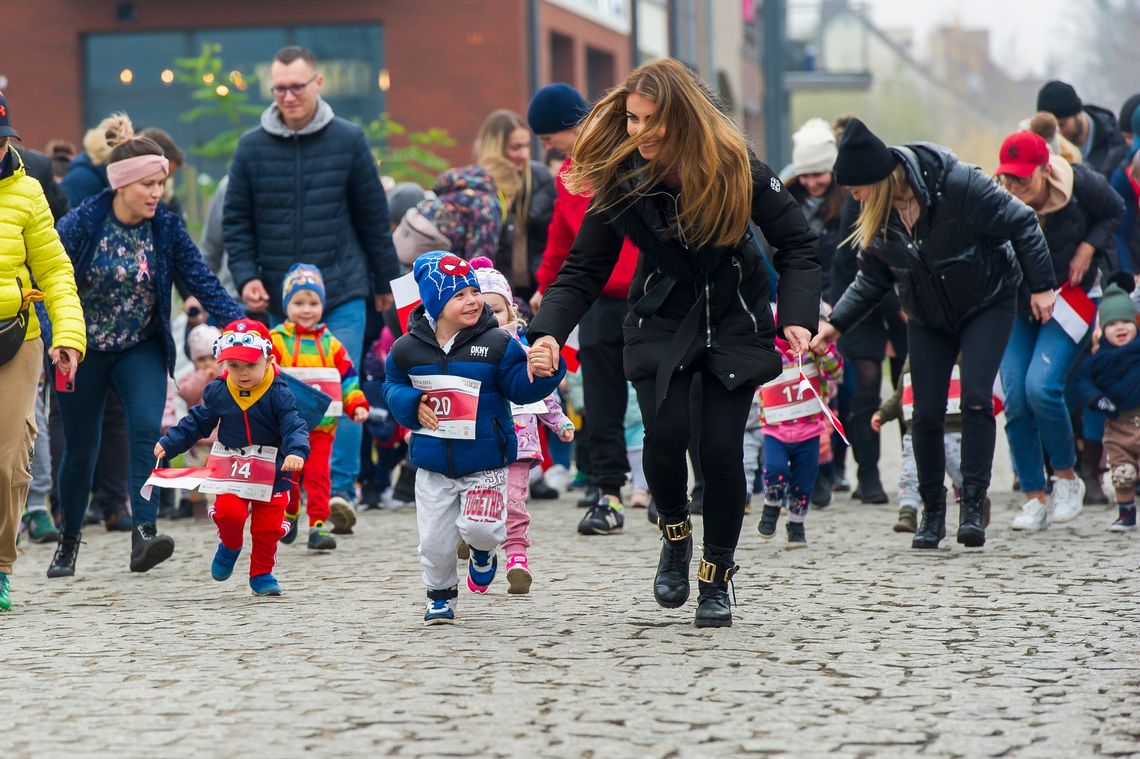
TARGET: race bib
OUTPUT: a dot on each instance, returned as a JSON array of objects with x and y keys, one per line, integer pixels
[
  {"x": 786, "y": 398},
  {"x": 538, "y": 407},
  {"x": 454, "y": 401},
  {"x": 953, "y": 398},
  {"x": 247, "y": 473},
  {"x": 325, "y": 379}
]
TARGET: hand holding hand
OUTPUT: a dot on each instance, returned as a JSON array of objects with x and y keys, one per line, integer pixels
[
  {"x": 799, "y": 338},
  {"x": 542, "y": 359},
  {"x": 827, "y": 334},
  {"x": 876, "y": 421}
]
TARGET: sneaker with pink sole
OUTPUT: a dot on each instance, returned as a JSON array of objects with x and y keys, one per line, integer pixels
[{"x": 519, "y": 577}]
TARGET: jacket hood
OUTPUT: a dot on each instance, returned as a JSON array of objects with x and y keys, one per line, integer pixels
[
  {"x": 463, "y": 179},
  {"x": 927, "y": 166},
  {"x": 271, "y": 120},
  {"x": 1060, "y": 185}
]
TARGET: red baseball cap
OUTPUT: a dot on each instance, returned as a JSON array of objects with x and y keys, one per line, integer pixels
[
  {"x": 1021, "y": 154},
  {"x": 243, "y": 340}
]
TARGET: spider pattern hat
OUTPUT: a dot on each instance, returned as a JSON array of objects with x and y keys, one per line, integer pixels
[{"x": 440, "y": 275}]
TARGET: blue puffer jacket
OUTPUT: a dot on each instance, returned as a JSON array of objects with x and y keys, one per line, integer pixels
[
  {"x": 271, "y": 420},
  {"x": 311, "y": 196},
  {"x": 1112, "y": 372},
  {"x": 483, "y": 352},
  {"x": 84, "y": 179},
  {"x": 177, "y": 260}
]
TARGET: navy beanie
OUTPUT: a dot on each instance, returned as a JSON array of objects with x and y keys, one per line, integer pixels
[
  {"x": 439, "y": 276},
  {"x": 556, "y": 107}
]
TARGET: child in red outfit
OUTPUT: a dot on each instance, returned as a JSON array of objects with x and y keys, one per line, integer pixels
[
  {"x": 305, "y": 349},
  {"x": 253, "y": 410}
]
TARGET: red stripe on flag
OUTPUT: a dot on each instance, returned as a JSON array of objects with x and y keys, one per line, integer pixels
[
  {"x": 406, "y": 293},
  {"x": 1079, "y": 301}
]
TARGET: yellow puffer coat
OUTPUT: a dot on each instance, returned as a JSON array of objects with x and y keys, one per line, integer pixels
[{"x": 30, "y": 249}]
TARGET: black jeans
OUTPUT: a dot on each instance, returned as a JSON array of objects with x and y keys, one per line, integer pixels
[
  {"x": 721, "y": 450},
  {"x": 604, "y": 392},
  {"x": 981, "y": 341}
]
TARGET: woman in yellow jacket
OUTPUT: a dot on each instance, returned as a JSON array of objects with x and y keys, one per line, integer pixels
[{"x": 33, "y": 266}]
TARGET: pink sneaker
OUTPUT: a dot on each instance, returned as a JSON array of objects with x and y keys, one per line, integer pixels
[{"x": 518, "y": 575}]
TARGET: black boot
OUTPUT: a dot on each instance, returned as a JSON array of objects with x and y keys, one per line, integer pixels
[
  {"x": 715, "y": 572},
  {"x": 148, "y": 548},
  {"x": 933, "y": 527},
  {"x": 1090, "y": 473},
  {"x": 971, "y": 527},
  {"x": 671, "y": 585},
  {"x": 66, "y": 551},
  {"x": 871, "y": 487}
]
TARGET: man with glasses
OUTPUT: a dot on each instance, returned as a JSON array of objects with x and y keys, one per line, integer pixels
[{"x": 303, "y": 188}]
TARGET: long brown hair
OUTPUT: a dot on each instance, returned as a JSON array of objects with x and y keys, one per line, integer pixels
[
  {"x": 491, "y": 141},
  {"x": 701, "y": 145}
]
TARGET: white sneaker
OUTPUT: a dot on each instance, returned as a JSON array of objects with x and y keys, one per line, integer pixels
[
  {"x": 557, "y": 477},
  {"x": 1031, "y": 517},
  {"x": 1068, "y": 499}
]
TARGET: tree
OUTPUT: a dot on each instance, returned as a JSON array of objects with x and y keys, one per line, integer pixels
[
  {"x": 416, "y": 161},
  {"x": 219, "y": 95}
]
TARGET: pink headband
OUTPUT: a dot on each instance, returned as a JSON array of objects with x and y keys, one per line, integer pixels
[{"x": 131, "y": 170}]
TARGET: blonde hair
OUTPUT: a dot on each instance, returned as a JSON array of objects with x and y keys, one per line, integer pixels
[
  {"x": 100, "y": 140},
  {"x": 505, "y": 175},
  {"x": 701, "y": 145},
  {"x": 875, "y": 211},
  {"x": 491, "y": 142}
]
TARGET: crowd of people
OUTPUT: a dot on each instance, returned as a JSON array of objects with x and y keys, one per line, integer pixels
[{"x": 339, "y": 342}]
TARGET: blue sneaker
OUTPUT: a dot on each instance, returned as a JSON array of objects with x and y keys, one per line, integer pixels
[
  {"x": 1125, "y": 522},
  {"x": 441, "y": 606},
  {"x": 265, "y": 585},
  {"x": 481, "y": 570},
  {"x": 5, "y": 599},
  {"x": 224, "y": 560}
]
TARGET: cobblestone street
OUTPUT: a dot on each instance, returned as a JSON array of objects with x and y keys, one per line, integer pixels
[{"x": 855, "y": 647}]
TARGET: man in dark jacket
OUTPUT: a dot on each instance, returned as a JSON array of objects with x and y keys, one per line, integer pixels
[
  {"x": 38, "y": 166},
  {"x": 303, "y": 188},
  {"x": 1091, "y": 128}
]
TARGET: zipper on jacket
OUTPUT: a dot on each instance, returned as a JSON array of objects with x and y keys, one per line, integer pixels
[
  {"x": 708, "y": 314},
  {"x": 740, "y": 295},
  {"x": 645, "y": 291},
  {"x": 447, "y": 441},
  {"x": 297, "y": 189}
]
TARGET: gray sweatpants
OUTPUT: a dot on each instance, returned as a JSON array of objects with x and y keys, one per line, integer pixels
[
  {"x": 41, "y": 462},
  {"x": 472, "y": 507}
]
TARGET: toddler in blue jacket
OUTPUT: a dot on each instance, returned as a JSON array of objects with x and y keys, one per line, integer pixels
[{"x": 450, "y": 380}]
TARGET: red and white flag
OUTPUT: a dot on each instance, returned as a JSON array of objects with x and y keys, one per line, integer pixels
[
  {"x": 1074, "y": 312},
  {"x": 570, "y": 352},
  {"x": 806, "y": 387},
  {"x": 999, "y": 395},
  {"x": 406, "y": 293},
  {"x": 179, "y": 479}
]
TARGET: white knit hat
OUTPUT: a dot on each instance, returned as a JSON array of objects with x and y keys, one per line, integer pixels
[{"x": 813, "y": 148}]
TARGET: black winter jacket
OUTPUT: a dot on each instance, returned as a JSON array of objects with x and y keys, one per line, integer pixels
[
  {"x": 1108, "y": 148},
  {"x": 311, "y": 196},
  {"x": 960, "y": 259},
  {"x": 542, "y": 194},
  {"x": 685, "y": 303},
  {"x": 831, "y": 233}
]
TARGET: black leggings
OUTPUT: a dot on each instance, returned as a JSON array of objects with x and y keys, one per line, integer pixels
[
  {"x": 981, "y": 341},
  {"x": 721, "y": 451}
]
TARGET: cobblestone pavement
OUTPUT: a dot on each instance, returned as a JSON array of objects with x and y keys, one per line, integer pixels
[{"x": 855, "y": 647}]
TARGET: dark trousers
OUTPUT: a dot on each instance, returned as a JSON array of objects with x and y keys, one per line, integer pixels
[
  {"x": 139, "y": 376},
  {"x": 604, "y": 390},
  {"x": 720, "y": 446},
  {"x": 933, "y": 353}
]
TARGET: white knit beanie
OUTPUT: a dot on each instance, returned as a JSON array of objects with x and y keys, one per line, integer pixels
[{"x": 813, "y": 148}]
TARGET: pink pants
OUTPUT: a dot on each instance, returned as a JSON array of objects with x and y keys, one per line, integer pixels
[{"x": 518, "y": 518}]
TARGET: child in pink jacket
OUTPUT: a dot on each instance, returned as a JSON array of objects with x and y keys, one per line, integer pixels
[{"x": 499, "y": 298}]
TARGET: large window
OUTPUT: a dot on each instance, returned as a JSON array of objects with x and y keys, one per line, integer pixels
[{"x": 133, "y": 73}]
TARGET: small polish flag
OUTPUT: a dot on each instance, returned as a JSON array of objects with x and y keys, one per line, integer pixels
[
  {"x": 407, "y": 296},
  {"x": 805, "y": 386},
  {"x": 178, "y": 479},
  {"x": 570, "y": 352},
  {"x": 1074, "y": 311},
  {"x": 999, "y": 395}
]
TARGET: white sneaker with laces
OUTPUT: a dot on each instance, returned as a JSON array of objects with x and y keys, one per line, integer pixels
[
  {"x": 1068, "y": 498},
  {"x": 1031, "y": 517}
]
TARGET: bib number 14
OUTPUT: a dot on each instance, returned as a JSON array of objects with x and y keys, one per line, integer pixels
[{"x": 240, "y": 469}]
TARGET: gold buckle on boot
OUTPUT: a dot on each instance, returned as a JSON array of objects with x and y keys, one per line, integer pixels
[
  {"x": 710, "y": 573},
  {"x": 676, "y": 532}
]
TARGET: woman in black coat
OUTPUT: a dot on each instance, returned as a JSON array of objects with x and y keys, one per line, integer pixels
[
  {"x": 940, "y": 233},
  {"x": 671, "y": 172}
]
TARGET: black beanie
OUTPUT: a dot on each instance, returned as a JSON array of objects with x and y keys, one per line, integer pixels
[
  {"x": 1126, "y": 111},
  {"x": 556, "y": 107},
  {"x": 863, "y": 158},
  {"x": 1059, "y": 99}
]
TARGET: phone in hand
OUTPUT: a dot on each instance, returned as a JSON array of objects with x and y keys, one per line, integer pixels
[{"x": 64, "y": 383}]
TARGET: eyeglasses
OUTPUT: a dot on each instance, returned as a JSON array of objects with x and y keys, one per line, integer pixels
[
  {"x": 293, "y": 89},
  {"x": 1010, "y": 179}
]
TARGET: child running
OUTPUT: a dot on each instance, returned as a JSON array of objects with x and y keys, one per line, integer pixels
[
  {"x": 499, "y": 298},
  {"x": 450, "y": 380},
  {"x": 250, "y": 406},
  {"x": 305, "y": 348}
]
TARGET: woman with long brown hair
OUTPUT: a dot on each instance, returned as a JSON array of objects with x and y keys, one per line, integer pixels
[
  {"x": 523, "y": 238},
  {"x": 669, "y": 170}
]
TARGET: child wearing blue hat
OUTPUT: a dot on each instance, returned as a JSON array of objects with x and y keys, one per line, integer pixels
[{"x": 450, "y": 380}]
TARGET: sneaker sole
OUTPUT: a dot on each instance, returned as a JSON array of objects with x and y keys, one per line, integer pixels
[
  {"x": 322, "y": 548},
  {"x": 1117, "y": 528},
  {"x": 598, "y": 531},
  {"x": 158, "y": 553},
  {"x": 480, "y": 589},
  {"x": 343, "y": 518},
  {"x": 267, "y": 593},
  {"x": 766, "y": 535},
  {"x": 904, "y": 527},
  {"x": 713, "y": 623},
  {"x": 518, "y": 581},
  {"x": 439, "y": 621}
]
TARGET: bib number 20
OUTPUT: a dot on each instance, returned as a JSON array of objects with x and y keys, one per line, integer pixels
[
  {"x": 440, "y": 404},
  {"x": 240, "y": 469}
]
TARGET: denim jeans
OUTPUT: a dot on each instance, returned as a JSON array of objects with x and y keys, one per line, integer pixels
[
  {"x": 1036, "y": 364},
  {"x": 139, "y": 375},
  {"x": 347, "y": 322}
]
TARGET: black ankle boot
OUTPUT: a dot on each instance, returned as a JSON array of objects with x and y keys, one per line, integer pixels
[
  {"x": 671, "y": 585},
  {"x": 148, "y": 548},
  {"x": 715, "y": 572},
  {"x": 933, "y": 527},
  {"x": 66, "y": 552},
  {"x": 971, "y": 528}
]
